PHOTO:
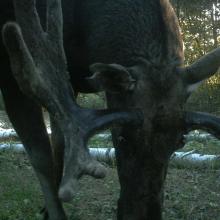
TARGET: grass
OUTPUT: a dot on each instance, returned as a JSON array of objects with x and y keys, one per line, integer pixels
[
  {"x": 202, "y": 142},
  {"x": 191, "y": 194},
  {"x": 19, "y": 191},
  {"x": 204, "y": 147},
  {"x": 97, "y": 141}
]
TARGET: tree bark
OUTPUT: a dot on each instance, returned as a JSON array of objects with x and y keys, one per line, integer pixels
[{"x": 214, "y": 27}]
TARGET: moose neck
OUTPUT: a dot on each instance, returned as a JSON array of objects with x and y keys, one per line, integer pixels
[
  {"x": 120, "y": 49},
  {"x": 141, "y": 177}
]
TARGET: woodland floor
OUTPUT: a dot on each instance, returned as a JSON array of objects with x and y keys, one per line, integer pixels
[{"x": 191, "y": 194}]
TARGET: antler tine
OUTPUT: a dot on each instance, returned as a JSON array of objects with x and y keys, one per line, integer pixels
[
  {"x": 55, "y": 20},
  {"x": 201, "y": 120},
  {"x": 27, "y": 16},
  {"x": 101, "y": 119},
  {"x": 201, "y": 69},
  {"x": 19, "y": 53}
]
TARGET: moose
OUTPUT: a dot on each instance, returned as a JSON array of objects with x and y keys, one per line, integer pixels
[{"x": 133, "y": 51}]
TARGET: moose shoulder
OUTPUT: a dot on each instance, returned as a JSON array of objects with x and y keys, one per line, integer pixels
[{"x": 132, "y": 49}]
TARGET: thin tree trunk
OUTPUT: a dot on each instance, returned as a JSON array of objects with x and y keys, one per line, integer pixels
[{"x": 214, "y": 28}]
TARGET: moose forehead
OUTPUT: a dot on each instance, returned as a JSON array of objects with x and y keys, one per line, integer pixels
[{"x": 160, "y": 82}]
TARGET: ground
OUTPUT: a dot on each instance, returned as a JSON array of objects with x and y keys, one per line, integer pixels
[{"x": 191, "y": 194}]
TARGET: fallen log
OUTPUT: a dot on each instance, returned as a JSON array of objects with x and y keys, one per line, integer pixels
[
  {"x": 108, "y": 154},
  {"x": 183, "y": 159},
  {"x": 8, "y": 135}
]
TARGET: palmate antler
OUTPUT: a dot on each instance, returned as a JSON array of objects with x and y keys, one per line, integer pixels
[{"x": 39, "y": 65}]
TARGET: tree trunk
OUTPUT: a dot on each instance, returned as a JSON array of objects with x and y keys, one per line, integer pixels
[{"x": 214, "y": 27}]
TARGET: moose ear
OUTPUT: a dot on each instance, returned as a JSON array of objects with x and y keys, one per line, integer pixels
[{"x": 113, "y": 78}]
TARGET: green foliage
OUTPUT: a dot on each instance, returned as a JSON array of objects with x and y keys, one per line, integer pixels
[
  {"x": 199, "y": 21},
  {"x": 206, "y": 98},
  {"x": 96, "y": 100},
  {"x": 97, "y": 141},
  {"x": 200, "y": 24}
]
